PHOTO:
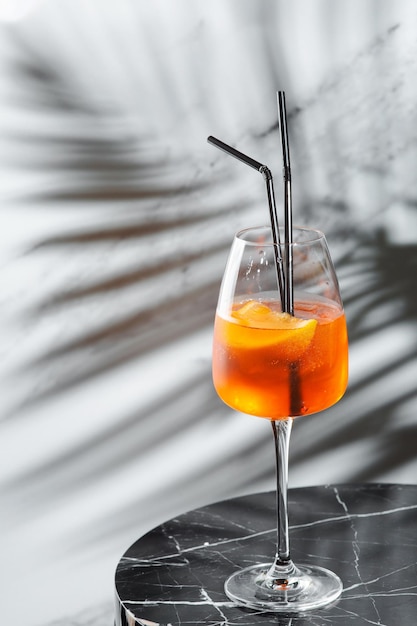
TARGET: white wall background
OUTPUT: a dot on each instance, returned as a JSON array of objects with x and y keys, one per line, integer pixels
[{"x": 116, "y": 221}]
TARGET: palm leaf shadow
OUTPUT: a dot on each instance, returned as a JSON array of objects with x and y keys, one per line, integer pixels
[
  {"x": 122, "y": 174},
  {"x": 133, "y": 184}
]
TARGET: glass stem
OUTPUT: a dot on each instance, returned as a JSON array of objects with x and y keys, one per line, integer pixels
[{"x": 282, "y": 433}]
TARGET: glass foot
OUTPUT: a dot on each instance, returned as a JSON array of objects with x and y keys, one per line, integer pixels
[{"x": 302, "y": 588}]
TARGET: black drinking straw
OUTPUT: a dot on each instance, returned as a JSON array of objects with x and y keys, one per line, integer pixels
[
  {"x": 295, "y": 389},
  {"x": 289, "y": 288},
  {"x": 266, "y": 173}
]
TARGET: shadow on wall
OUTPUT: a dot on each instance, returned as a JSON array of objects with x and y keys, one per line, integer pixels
[
  {"x": 127, "y": 265},
  {"x": 119, "y": 221}
]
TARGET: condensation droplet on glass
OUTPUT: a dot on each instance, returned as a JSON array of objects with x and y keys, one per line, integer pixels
[
  {"x": 262, "y": 255},
  {"x": 263, "y": 260},
  {"x": 249, "y": 268}
]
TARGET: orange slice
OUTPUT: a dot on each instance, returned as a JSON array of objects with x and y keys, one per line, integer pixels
[{"x": 259, "y": 326}]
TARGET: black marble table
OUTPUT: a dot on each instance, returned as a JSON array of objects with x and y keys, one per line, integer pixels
[{"x": 366, "y": 533}]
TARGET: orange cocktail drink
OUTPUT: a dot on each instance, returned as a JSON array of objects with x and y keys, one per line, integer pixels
[
  {"x": 274, "y": 365},
  {"x": 280, "y": 350}
]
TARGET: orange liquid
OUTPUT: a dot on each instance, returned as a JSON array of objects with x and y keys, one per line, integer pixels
[{"x": 262, "y": 372}]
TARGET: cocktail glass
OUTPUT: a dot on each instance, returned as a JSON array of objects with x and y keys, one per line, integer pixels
[{"x": 280, "y": 366}]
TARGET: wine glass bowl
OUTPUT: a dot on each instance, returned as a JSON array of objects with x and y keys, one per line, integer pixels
[{"x": 278, "y": 366}]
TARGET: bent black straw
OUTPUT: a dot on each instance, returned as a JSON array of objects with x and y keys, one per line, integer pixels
[
  {"x": 266, "y": 173},
  {"x": 235, "y": 153},
  {"x": 289, "y": 288}
]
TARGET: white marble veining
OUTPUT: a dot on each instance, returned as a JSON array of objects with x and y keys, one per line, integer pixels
[{"x": 376, "y": 567}]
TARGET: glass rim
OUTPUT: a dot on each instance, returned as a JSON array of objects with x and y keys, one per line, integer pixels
[{"x": 316, "y": 235}]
